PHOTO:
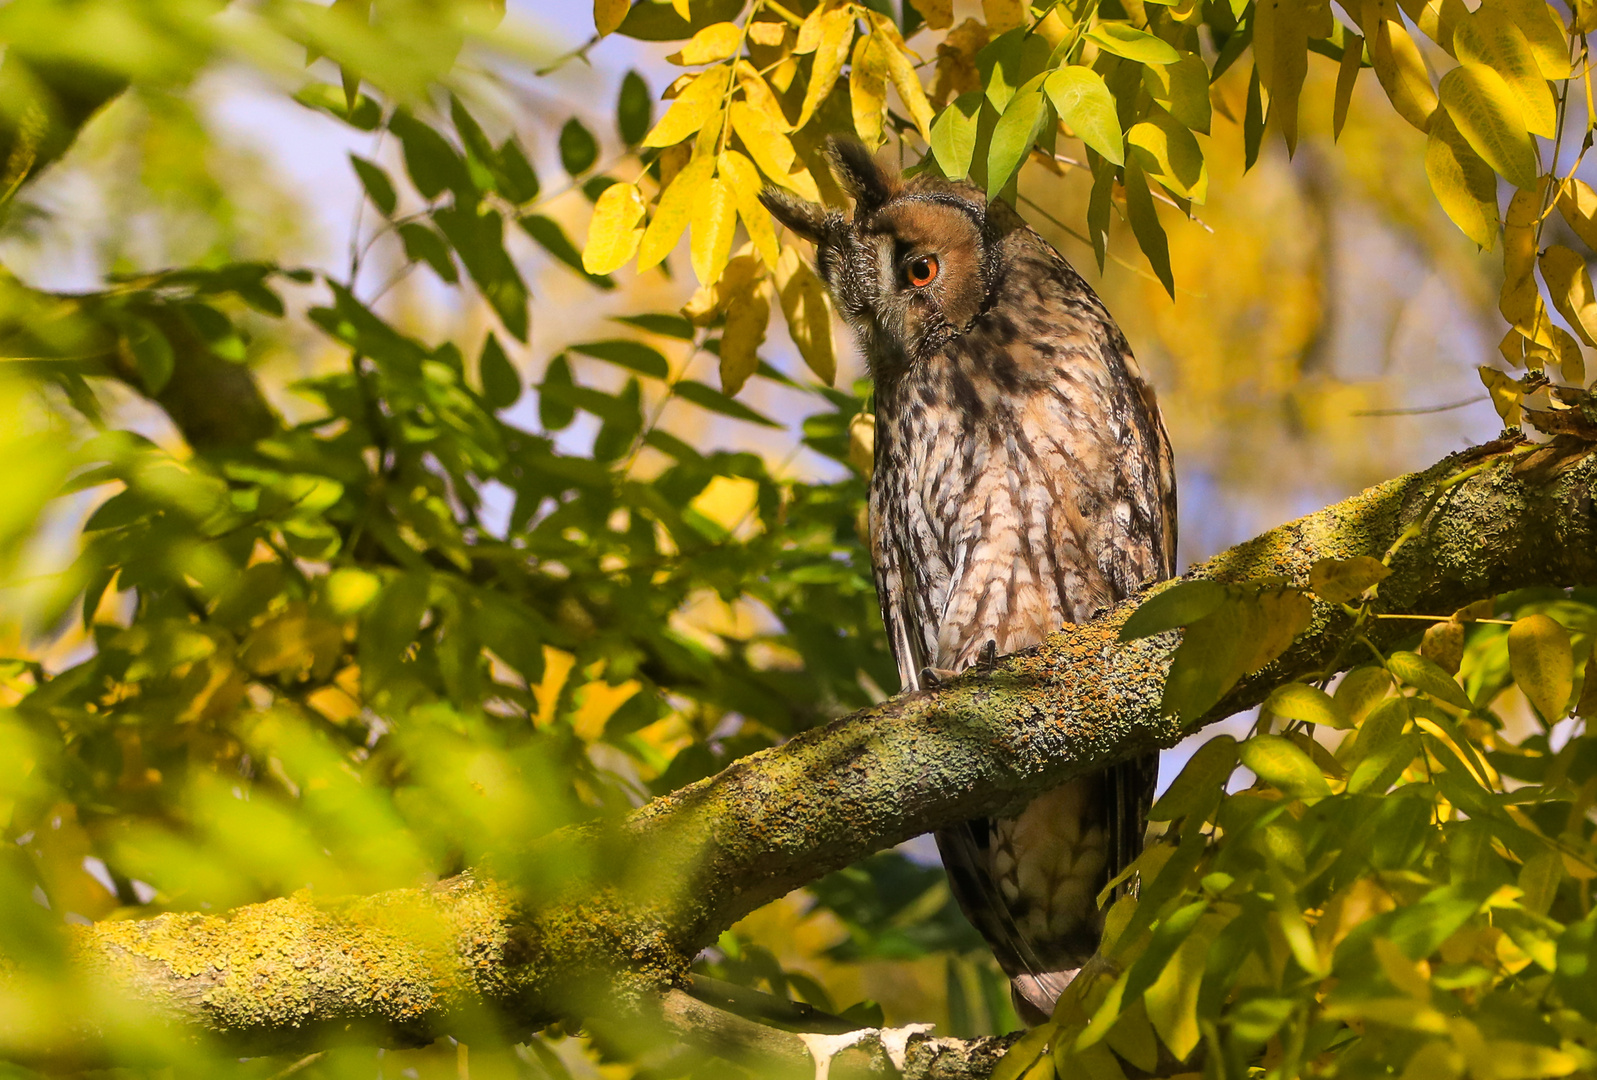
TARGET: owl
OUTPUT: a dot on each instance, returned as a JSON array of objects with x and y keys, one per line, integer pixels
[{"x": 1023, "y": 480}]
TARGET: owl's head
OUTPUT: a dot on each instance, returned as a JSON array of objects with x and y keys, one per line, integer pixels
[{"x": 913, "y": 267}]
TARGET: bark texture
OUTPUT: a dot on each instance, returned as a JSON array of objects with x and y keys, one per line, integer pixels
[{"x": 603, "y": 920}]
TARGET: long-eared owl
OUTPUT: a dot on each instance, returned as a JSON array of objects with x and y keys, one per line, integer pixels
[{"x": 1022, "y": 480}]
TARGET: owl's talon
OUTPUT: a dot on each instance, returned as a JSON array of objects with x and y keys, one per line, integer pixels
[
  {"x": 989, "y": 656},
  {"x": 933, "y": 677}
]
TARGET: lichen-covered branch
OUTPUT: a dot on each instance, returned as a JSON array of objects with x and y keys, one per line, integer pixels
[{"x": 600, "y": 921}]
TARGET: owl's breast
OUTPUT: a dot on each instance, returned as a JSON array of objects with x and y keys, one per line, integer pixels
[{"x": 986, "y": 500}]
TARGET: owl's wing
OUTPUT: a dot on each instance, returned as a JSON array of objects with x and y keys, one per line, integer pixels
[{"x": 898, "y": 616}]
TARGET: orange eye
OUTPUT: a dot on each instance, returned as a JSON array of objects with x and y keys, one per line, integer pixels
[{"x": 923, "y": 271}]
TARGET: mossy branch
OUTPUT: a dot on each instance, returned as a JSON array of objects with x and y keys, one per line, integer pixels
[{"x": 600, "y": 921}]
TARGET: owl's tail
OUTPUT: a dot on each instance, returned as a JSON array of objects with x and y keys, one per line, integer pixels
[{"x": 1042, "y": 956}]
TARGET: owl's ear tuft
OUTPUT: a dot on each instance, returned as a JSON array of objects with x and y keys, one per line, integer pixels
[
  {"x": 801, "y": 216},
  {"x": 861, "y": 176}
]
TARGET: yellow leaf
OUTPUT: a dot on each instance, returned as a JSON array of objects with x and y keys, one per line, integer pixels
[
  {"x": 1465, "y": 187},
  {"x": 1488, "y": 115},
  {"x": 1543, "y": 29},
  {"x": 693, "y": 108},
  {"x": 757, "y": 92},
  {"x": 772, "y": 151},
  {"x": 939, "y": 14},
  {"x": 1488, "y": 38},
  {"x": 902, "y": 72},
  {"x": 1398, "y": 64},
  {"x": 613, "y": 232},
  {"x": 681, "y": 8},
  {"x": 1281, "y": 54},
  {"x": 867, "y": 89},
  {"x": 1346, "y": 77},
  {"x": 747, "y": 314},
  {"x": 1437, "y": 19},
  {"x": 1182, "y": 88},
  {"x": 1519, "y": 299},
  {"x": 1169, "y": 153},
  {"x": 862, "y": 442},
  {"x": 1002, "y": 15},
  {"x": 676, "y": 207},
  {"x": 1577, "y": 202},
  {"x": 718, "y": 41},
  {"x": 1507, "y": 395},
  {"x": 1172, "y": 1001},
  {"x": 746, "y": 186},
  {"x": 1570, "y": 288},
  {"x": 808, "y": 311},
  {"x": 1542, "y": 663},
  {"x": 742, "y": 272},
  {"x": 836, "y": 35},
  {"x": 607, "y": 15},
  {"x": 714, "y": 221},
  {"x": 1338, "y": 581}
]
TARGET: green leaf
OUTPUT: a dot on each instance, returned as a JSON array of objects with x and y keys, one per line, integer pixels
[
  {"x": 1576, "y": 977},
  {"x": 1197, "y": 788},
  {"x": 578, "y": 148},
  {"x": 707, "y": 397},
  {"x": 1311, "y": 705},
  {"x": 1250, "y": 629},
  {"x": 479, "y": 240},
  {"x": 626, "y": 420},
  {"x": 1252, "y": 122},
  {"x": 366, "y": 114},
  {"x": 432, "y": 163},
  {"x": 1083, "y": 101},
  {"x": 1182, "y": 88},
  {"x": 424, "y": 245},
  {"x": 1279, "y": 763},
  {"x": 518, "y": 181},
  {"x": 1337, "y": 581},
  {"x": 665, "y": 325},
  {"x": 1543, "y": 664},
  {"x": 555, "y": 407},
  {"x": 1420, "y": 673},
  {"x": 954, "y": 135},
  {"x": 379, "y": 189},
  {"x": 1145, "y": 225},
  {"x": 1361, "y": 690},
  {"x": 553, "y": 239},
  {"x": 1488, "y": 115},
  {"x": 1377, "y": 772},
  {"x": 1126, "y": 40},
  {"x": 632, "y": 355},
  {"x": 1023, "y": 1055},
  {"x": 501, "y": 383},
  {"x": 152, "y": 354},
  {"x": 1014, "y": 134},
  {"x": 1170, "y": 154},
  {"x": 1182, "y": 604},
  {"x": 634, "y": 109}
]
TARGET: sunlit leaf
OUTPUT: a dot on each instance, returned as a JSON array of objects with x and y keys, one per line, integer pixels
[
  {"x": 1279, "y": 763},
  {"x": 953, "y": 139},
  {"x": 1464, "y": 184},
  {"x": 693, "y": 108},
  {"x": 1197, "y": 788},
  {"x": 614, "y": 231},
  {"x": 1309, "y": 704},
  {"x": 1125, "y": 40},
  {"x": 677, "y": 204},
  {"x": 1014, "y": 134},
  {"x": 1543, "y": 663},
  {"x": 1083, "y": 101},
  {"x": 718, "y": 41},
  {"x": 1425, "y": 676},
  {"x": 1488, "y": 115}
]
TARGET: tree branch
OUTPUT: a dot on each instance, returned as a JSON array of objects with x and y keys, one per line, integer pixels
[{"x": 601, "y": 920}]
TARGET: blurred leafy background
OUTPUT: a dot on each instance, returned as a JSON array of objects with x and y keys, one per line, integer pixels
[{"x": 485, "y": 543}]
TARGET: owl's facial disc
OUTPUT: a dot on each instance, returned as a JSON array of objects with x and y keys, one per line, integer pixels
[{"x": 930, "y": 279}]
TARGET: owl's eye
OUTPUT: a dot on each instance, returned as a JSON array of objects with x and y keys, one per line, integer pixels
[{"x": 922, "y": 271}]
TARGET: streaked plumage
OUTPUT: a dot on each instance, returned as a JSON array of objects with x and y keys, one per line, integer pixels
[{"x": 1022, "y": 480}]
